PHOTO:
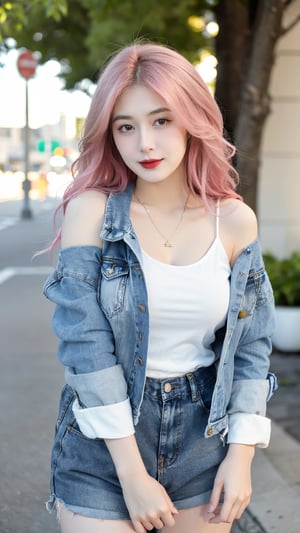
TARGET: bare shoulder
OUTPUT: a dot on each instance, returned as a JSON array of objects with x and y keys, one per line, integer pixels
[
  {"x": 239, "y": 225},
  {"x": 83, "y": 220}
]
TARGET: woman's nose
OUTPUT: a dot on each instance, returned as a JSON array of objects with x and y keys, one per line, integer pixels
[{"x": 146, "y": 140}]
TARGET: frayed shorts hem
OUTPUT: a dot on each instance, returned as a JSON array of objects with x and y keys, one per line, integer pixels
[
  {"x": 55, "y": 503},
  {"x": 105, "y": 514}
]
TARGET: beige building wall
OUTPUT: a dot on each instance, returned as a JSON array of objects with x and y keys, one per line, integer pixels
[{"x": 279, "y": 183}]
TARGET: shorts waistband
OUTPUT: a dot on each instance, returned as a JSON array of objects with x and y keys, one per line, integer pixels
[{"x": 189, "y": 384}]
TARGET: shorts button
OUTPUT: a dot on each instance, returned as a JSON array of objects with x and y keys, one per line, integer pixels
[
  {"x": 167, "y": 387},
  {"x": 242, "y": 313},
  {"x": 210, "y": 431}
]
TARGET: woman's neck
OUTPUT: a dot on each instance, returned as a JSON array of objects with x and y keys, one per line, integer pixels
[{"x": 161, "y": 195}]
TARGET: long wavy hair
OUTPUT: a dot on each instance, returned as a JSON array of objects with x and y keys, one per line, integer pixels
[{"x": 209, "y": 171}]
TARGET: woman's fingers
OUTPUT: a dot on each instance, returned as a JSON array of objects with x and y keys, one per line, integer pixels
[{"x": 230, "y": 510}]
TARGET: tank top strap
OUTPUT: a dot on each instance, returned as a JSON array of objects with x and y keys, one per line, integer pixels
[{"x": 217, "y": 218}]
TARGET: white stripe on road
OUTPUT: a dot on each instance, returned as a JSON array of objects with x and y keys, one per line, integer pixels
[
  {"x": 6, "y": 222},
  {"x": 10, "y": 272},
  {"x": 6, "y": 274}
]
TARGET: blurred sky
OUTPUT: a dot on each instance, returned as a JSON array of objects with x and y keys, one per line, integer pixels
[{"x": 47, "y": 99}]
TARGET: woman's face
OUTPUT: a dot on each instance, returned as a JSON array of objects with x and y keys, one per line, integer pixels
[{"x": 148, "y": 135}]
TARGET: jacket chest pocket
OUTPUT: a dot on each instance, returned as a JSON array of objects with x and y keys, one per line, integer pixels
[
  {"x": 111, "y": 291},
  {"x": 258, "y": 291}
]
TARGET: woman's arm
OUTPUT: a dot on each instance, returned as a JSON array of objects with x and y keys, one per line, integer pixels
[
  {"x": 238, "y": 227},
  {"x": 83, "y": 220}
]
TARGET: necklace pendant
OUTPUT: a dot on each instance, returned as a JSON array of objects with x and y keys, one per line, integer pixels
[{"x": 168, "y": 244}]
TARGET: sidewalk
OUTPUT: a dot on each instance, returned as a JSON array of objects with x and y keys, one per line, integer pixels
[
  {"x": 275, "y": 504},
  {"x": 276, "y": 488}
]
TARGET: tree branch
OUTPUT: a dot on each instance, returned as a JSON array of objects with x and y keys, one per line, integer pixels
[{"x": 290, "y": 26}]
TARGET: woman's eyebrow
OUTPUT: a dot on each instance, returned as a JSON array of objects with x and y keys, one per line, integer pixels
[
  {"x": 159, "y": 110},
  {"x": 154, "y": 112}
]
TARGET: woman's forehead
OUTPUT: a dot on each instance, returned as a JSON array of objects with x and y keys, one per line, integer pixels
[{"x": 139, "y": 98}]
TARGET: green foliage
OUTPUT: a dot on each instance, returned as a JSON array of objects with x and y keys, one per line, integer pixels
[
  {"x": 11, "y": 18},
  {"x": 56, "y": 8},
  {"x": 16, "y": 15},
  {"x": 94, "y": 29},
  {"x": 118, "y": 23},
  {"x": 46, "y": 29},
  {"x": 285, "y": 278}
]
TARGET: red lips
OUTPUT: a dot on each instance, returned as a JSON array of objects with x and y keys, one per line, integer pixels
[{"x": 150, "y": 163}]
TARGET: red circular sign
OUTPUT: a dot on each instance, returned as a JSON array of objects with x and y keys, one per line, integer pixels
[{"x": 27, "y": 64}]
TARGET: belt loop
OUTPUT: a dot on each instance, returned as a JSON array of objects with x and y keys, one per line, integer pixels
[{"x": 195, "y": 392}]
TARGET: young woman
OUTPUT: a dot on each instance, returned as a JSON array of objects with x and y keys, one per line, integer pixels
[{"x": 163, "y": 310}]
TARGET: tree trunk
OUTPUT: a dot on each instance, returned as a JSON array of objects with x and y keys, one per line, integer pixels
[
  {"x": 231, "y": 44},
  {"x": 255, "y": 100}
]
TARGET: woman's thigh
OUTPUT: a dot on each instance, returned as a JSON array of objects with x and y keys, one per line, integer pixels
[
  {"x": 75, "y": 523},
  {"x": 196, "y": 520}
]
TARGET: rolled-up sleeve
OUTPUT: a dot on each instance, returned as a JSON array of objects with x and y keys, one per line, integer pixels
[
  {"x": 86, "y": 345},
  {"x": 249, "y": 429},
  {"x": 247, "y": 423}
]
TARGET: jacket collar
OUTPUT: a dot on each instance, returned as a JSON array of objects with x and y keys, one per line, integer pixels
[{"x": 117, "y": 215}]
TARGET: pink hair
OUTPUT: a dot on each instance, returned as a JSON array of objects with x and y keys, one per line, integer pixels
[{"x": 208, "y": 157}]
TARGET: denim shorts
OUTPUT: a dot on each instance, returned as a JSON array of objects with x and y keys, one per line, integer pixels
[{"x": 170, "y": 436}]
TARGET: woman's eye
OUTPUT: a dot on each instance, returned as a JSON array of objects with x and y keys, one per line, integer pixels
[
  {"x": 162, "y": 121},
  {"x": 125, "y": 127}
]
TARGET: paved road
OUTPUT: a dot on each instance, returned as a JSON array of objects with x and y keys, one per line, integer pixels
[{"x": 31, "y": 378}]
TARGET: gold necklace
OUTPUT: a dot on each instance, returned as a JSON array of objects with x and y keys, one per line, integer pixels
[{"x": 167, "y": 240}]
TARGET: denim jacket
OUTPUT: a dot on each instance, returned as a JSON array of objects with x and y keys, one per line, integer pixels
[{"x": 102, "y": 321}]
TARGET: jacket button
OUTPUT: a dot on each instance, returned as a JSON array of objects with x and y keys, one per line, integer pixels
[
  {"x": 242, "y": 314},
  {"x": 140, "y": 360},
  {"x": 210, "y": 431},
  {"x": 141, "y": 308}
]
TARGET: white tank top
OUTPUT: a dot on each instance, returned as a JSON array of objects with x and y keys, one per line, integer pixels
[{"x": 187, "y": 304}]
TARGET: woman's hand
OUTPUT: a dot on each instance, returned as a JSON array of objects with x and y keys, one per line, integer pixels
[
  {"x": 148, "y": 503},
  {"x": 233, "y": 480}
]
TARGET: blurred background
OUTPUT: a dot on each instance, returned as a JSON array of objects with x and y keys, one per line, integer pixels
[
  {"x": 247, "y": 51},
  {"x": 51, "y": 54}
]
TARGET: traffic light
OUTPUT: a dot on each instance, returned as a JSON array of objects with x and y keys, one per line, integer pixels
[
  {"x": 41, "y": 146},
  {"x": 54, "y": 145}
]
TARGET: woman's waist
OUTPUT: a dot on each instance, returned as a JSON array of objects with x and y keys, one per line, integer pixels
[
  {"x": 176, "y": 361},
  {"x": 190, "y": 383}
]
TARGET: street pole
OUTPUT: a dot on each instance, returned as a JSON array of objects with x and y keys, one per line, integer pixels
[
  {"x": 26, "y": 211},
  {"x": 26, "y": 64}
]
